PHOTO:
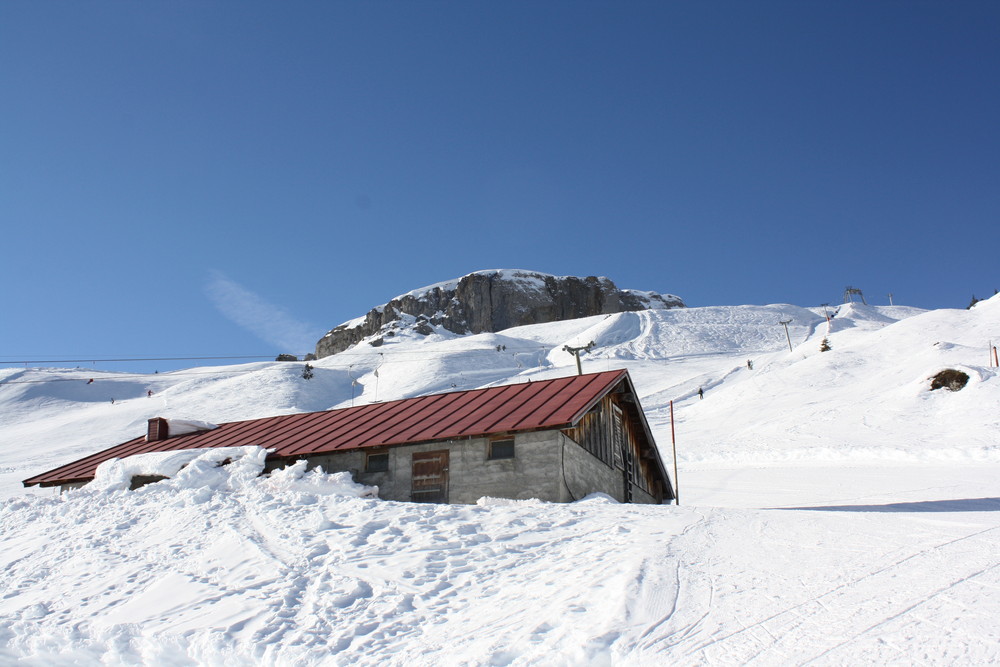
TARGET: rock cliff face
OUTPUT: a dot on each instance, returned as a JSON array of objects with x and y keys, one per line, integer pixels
[{"x": 492, "y": 301}]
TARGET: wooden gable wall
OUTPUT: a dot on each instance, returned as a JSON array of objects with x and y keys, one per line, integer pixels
[{"x": 614, "y": 432}]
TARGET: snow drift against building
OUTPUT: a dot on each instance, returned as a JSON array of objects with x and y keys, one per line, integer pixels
[{"x": 220, "y": 470}]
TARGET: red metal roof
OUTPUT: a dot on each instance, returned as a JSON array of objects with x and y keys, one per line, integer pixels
[{"x": 530, "y": 406}]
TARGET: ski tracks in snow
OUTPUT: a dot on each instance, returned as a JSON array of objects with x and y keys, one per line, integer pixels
[
  {"x": 661, "y": 591},
  {"x": 497, "y": 574},
  {"x": 850, "y": 613}
]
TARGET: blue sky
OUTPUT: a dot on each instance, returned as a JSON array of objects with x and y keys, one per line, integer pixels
[{"x": 235, "y": 178}]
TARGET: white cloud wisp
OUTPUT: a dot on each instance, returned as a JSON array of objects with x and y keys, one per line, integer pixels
[{"x": 267, "y": 321}]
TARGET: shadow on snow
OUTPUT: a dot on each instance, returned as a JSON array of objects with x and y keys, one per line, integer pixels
[{"x": 964, "y": 505}]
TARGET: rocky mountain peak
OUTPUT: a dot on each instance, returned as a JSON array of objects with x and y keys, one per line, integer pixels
[{"x": 492, "y": 301}]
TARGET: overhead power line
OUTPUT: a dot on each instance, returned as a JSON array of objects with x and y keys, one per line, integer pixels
[
  {"x": 92, "y": 360},
  {"x": 382, "y": 356},
  {"x": 266, "y": 357},
  {"x": 385, "y": 356},
  {"x": 119, "y": 376}
]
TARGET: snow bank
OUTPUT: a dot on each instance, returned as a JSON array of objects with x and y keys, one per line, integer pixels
[
  {"x": 295, "y": 478},
  {"x": 491, "y": 501},
  {"x": 591, "y": 499},
  {"x": 223, "y": 469}
]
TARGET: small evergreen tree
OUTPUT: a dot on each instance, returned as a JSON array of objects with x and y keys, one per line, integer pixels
[
  {"x": 307, "y": 372},
  {"x": 825, "y": 345}
]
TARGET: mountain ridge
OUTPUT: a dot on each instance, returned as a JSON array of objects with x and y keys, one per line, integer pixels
[{"x": 489, "y": 301}]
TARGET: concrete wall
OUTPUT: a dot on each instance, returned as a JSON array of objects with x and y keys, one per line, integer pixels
[
  {"x": 546, "y": 465},
  {"x": 532, "y": 473},
  {"x": 584, "y": 473}
]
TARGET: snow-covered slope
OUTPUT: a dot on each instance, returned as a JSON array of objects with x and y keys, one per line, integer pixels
[{"x": 884, "y": 548}]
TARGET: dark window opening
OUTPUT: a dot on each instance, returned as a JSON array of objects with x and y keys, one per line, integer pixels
[
  {"x": 139, "y": 481},
  {"x": 377, "y": 463},
  {"x": 501, "y": 449}
]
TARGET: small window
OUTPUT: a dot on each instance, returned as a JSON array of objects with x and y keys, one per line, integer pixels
[
  {"x": 377, "y": 463},
  {"x": 501, "y": 449}
]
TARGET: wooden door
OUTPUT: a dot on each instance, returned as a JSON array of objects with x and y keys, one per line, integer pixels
[
  {"x": 430, "y": 477},
  {"x": 617, "y": 437},
  {"x": 623, "y": 453}
]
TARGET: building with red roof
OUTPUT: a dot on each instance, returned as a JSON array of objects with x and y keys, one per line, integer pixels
[{"x": 556, "y": 440}]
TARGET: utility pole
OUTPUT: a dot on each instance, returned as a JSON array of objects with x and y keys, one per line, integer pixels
[
  {"x": 354, "y": 383},
  {"x": 381, "y": 361},
  {"x": 787, "y": 337},
  {"x": 673, "y": 441},
  {"x": 575, "y": 351},
  {"x": 829, "y": 322}
]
